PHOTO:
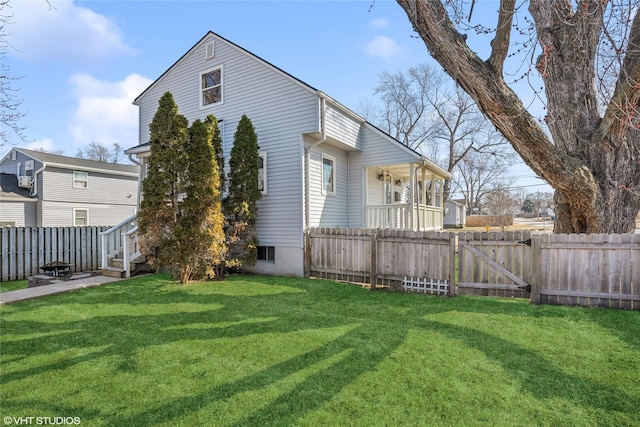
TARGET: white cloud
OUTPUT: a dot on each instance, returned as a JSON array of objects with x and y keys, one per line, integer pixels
[
  {"x": 384, "y": 47},
  {"x": 62, "y": 32},
  {"x": 379, "y": 23},
  {"x": 105, "y": 113},
  {"x": 45, "y": 144}
]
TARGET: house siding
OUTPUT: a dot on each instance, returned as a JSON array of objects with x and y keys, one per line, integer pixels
[
  {"x": 11, "y": 166},
  {"x": 19, "y": 212},
  {"x": 328, "y": 210},
  {"x": 280, "y": 109},
  {"x": 60, "y": 214},
  {"x": 342, "y": 127}
]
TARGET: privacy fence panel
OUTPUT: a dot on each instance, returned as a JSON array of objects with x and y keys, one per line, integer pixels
[
  {"x": 412, "y": 254},
  {"x": 339, "y": 254},
  {"x": 26, "y": 249},
  {"x": 379, "y": 257},
  {"x": 590, "y": 269},
  {"x": 495, "y": 264}
]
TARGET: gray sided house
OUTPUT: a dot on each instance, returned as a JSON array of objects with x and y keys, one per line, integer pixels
[
  {"x": 49, "y": 190},
  {"x": 323, "y": 165}
]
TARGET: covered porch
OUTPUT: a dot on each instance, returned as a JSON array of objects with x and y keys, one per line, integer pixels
[{"x": 405, "y": 196}]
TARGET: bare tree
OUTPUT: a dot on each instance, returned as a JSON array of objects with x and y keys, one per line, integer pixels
[
  {"x": 464, "y": 130},
  {"x": 10, "y": 103},
  {"x": 476, "y": 173},
  {"x": 592, "y": 156},
  {"x": 423, "y": 111},
  {"x": 503, "y": 201},
  {"x": 406, "y": 104},
  {"x": 96, "y": 151}
]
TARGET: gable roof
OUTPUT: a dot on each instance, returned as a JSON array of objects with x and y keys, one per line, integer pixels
[
  {"x": 146, "y": 146},
  {"x": 240, "y": 48},
  {"x": 66, "y": 162}
]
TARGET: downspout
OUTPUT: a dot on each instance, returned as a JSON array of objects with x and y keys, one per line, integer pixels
[
  {"x": 34, "y": 185},
  {"x": 307, "y": 151}
]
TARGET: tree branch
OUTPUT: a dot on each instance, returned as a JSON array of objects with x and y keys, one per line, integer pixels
[{"x": 500, "y": 44}]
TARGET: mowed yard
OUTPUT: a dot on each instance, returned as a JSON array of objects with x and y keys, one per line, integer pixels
[{"x": 260, "y": 351}]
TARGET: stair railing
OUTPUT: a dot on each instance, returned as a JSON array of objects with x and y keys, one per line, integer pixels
[{"x": 113, "y": 241}]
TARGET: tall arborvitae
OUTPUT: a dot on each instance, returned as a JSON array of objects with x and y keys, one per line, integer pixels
[
  {"x": 240, "y": 206},
  {"x": 216, "y": 140},
  {"x": 163, "y": 186},
  {"x": 199, "y": 233}
]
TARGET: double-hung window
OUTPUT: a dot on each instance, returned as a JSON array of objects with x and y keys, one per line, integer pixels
[
  {"x": 262, "y": 172},
  {"x": 80, "y": 179},
  {"x": 80, "y": 217},
  {"x": 211, "y": 87},
  {"x": 328, "y": 174}
]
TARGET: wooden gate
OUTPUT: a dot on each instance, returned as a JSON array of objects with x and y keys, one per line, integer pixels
[{"x": 495, "y": 264}]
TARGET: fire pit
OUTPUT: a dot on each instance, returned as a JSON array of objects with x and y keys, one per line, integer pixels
[{"x": 57, "y": 268}]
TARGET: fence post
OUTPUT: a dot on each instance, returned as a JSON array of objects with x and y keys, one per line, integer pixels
[
  {"x": 536, "y": 285},
  {"x": 307, "y": 253},
  {"x": 374, "y": 259},
  {"x": 452, "y": 264}
]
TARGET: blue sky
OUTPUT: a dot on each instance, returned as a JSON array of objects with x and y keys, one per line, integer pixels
[{"x": 82, "y": 63}]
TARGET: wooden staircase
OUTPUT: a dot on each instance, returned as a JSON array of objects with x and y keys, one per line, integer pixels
[{"x": 116, "y": 267}]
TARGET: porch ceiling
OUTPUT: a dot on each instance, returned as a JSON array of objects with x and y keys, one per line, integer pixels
[{"x": 402, "y": 170}]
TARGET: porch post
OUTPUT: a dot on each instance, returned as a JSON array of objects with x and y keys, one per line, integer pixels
[{"x": 412, "y": 204}]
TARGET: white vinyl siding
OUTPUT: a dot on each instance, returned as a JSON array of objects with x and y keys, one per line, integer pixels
[
  {"x": 281, "y": 111},
  {"x": 343, "y": 127},
  {"x": 326, "y": 210},
  {"x": 60, "y": 214},
  {"x": 20, "y": 213}
]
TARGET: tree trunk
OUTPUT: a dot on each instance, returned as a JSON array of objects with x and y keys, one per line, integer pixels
[{"x": 593, "y": 162}]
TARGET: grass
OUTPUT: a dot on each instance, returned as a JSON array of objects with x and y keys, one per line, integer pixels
[
  {"x": 254, "y": 351},
  {"x": 13, "y": 285}
]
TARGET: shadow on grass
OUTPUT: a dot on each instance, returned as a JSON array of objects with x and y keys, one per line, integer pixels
[{"x": 124, "y": 319}]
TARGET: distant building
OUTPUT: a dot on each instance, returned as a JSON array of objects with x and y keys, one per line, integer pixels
[{"x": 49, "y": 190}]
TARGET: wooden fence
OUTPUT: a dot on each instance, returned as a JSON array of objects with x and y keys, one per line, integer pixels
[
  {"x": 589, "y": 270},
  {"x": 26, "y": 249}
]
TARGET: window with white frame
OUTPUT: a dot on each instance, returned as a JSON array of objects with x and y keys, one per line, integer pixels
[
  {"x": 262, "y": 172},
  {"x": 211, "y": 87},
  {"x": 80, "y": 179},
  {"x": 80, "y": 217},
  {"x": 328, "y": 174}
]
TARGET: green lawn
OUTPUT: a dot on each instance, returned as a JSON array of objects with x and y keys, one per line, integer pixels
[
  {"x": 256, "y": 351},
  {"x": 13, "y": 285}
]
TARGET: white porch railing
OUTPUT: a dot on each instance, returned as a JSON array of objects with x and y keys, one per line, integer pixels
[
  {"x": 121, "y": 241},
  {"x": 398, "y": 216}
]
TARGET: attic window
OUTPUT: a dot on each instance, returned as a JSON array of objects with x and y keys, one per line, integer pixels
[
  {"x": 209, "y": 51},
  {"x": 211, "y": 87}
]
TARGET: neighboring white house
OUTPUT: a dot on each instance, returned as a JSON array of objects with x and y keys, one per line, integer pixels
[
  {"x": 49, "y": 190},
  {"x": 323, "y": 165},
  {"x": 455, "y": 213}
]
